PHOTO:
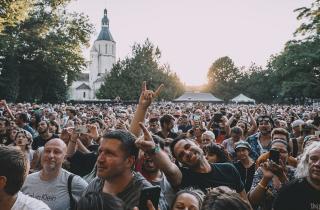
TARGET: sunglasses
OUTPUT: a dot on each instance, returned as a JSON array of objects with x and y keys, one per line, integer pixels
[{"x": 266, "y": 119}]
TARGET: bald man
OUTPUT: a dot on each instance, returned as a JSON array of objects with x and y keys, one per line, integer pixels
[{"x": 50, "y": 185}]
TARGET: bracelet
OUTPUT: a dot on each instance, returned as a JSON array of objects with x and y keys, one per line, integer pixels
[
  {"x": 155, "y": 150},
  {"x": 263, "y": 187}
]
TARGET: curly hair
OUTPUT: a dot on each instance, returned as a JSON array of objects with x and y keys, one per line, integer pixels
[
  {"x": 302, "y": 168},
  {"x": 218, "y": 150}
]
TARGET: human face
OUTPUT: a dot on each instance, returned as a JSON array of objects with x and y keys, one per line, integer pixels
[
  {"x": 154, "y": 127},
  {"x": 148, "y": 164},
  {"x": 169, "y": 125},
  {"x": 53, "y": 155},
  {"x": 52, "y": 128},
  {"x": 188, "y": 153},
  {"x": 112, "y": 159},
  {"x": 42, "y": 127},
  {"x": 314, "y": 166},
  {"x": 283, "y": 151},
  {"x": 235, "y": 137},
  {"x": 21, "y": 139},
  {"x": 265, "y": 127},
  {"x": 242, "y": 153},
  {"x": 212, "y": 157},
  {"x": 241, "y": 125},
  {"x": 206, "y": 139},
  {"x": 13, "y": 134},
  {"x": 3, "y": 127},
  {"x": 186, "y": 201}
]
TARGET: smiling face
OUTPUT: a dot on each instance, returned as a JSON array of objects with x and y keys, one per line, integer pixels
[
  {"x": 188, "y": 153},
  {"x": 53, "y": 155}
]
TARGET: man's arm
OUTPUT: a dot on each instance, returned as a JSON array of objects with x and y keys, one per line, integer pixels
[
  {"x": 8, "y": 109},
  {"x": 160, "y": 158},
  {"x": 146, "y": 98}
]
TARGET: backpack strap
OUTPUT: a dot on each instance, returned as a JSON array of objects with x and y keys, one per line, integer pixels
[
  {"x": 72, "y": 201},
  {"x": 295, "y": 147}
]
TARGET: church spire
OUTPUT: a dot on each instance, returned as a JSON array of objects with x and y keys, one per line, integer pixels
[
  {"x": 105, "y": 33},
  {"x": 105, "y": 20}
]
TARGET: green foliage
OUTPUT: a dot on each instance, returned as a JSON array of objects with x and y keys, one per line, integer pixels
[
  {"x": 12, "y": 12},
  {"x": 297, "y": 69},
  {"x": 311, "y": 15},
  {"x": 126, "y": 76},
  {"x": 43, "y": 54},
  {"x": 223, "y": 76}
]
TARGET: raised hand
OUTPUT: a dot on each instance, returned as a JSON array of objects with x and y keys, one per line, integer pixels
[
  {"x": 147, "y": 96},
  {"x": 145, "y": 142}
]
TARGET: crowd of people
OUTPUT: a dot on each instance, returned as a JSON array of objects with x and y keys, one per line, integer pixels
[{"x": 201, "y": 156}]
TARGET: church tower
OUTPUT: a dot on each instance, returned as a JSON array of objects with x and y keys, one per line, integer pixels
[{"x": 102, "y": 55}]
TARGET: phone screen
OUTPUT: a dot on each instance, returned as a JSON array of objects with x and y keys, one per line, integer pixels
[
  {"x": 149, "y": 193},
  {"x": 274, "y": 156}
]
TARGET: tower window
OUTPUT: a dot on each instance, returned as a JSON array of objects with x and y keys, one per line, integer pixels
[
  {"x": 106, "y": 48},
  {"x": 112, "y": 49},
  {"x": 84, "y": 94}
]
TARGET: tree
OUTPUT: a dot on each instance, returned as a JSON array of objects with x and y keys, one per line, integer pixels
[
  {"x": 127, "y": 75},
  {"x": 43, "y": 54},
  {"x": 298, "y": 69},
  {"x": 311, "y": 15},
  {"x": 222, "y": 78},
  {"x": 12, "y": 12}
]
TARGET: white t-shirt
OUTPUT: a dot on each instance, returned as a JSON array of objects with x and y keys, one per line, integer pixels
[
  {"x": 54, "y": 192},
  {"x": 25, "y": 202}
]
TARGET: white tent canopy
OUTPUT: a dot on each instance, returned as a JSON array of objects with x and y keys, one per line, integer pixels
[
  {"x": 198, "y": 97},
  {"x": 242, "y": 99}
]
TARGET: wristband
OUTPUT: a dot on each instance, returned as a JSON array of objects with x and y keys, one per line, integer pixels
[
  {"x": 263, "y": 187},
  {"x": 155, "y": 150}
]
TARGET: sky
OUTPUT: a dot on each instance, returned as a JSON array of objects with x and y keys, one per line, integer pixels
[{"x": 192, "y": 34}]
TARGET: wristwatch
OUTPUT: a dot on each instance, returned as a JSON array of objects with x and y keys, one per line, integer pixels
[{"x": 155, "y": 150}]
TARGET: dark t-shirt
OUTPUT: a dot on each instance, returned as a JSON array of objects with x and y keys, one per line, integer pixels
[
  {"x": 246, "y": 174},
  {"x": 82, "y": 164},
  {"x": 221, "y": 174},
  {"x": 40, "y": 142},
  {"x": 297, "y": 195},
  {"x": 170, "y": 135}
]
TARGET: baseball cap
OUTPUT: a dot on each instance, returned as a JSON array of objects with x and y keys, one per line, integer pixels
[{"x": 242, "y": 144}]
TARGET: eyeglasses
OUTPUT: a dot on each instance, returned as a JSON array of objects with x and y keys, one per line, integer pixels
[{"x": 263, "y": 119}]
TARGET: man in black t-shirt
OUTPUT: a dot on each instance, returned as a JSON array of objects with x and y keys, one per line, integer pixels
[
  {"x": 304, "y": 192},
  {"x": 44, "y": 135},
  {"x": 167, "y": 123},
  {"x": 197, "y": 172}
]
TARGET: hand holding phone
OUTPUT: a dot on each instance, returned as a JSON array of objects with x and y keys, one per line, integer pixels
[
  {"x": 149, "y": 193},
  {"x": 274, "y": 156},
  {"x": 81, "y": 129}
]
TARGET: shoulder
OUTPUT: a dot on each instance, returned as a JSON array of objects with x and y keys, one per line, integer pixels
[
  {"x": 253, "y": 137},
  {"x": 33, "y": 176},
  {"x": 95, "y": 185},
  {"x": 140, "y": 181},
  {"x": 76, "y": 180},
  {"x": 25, "y": 202}
]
